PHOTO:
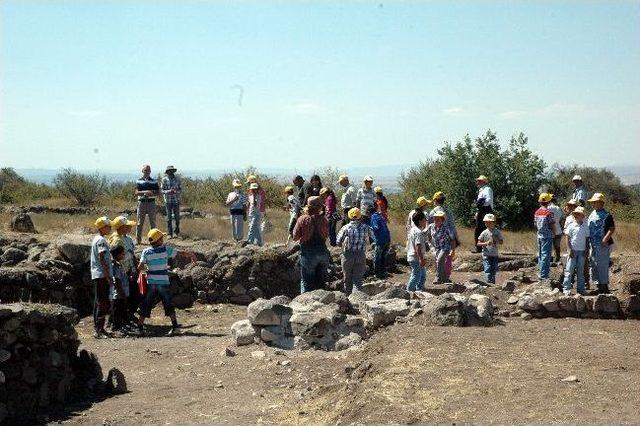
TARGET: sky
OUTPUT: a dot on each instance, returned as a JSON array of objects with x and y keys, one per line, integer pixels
[{"x": 110, "y": 85}]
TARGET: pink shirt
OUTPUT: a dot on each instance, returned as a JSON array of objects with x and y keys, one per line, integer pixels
[{"x": 330, "y": 205}]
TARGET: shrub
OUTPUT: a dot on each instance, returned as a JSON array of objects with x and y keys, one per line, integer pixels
[
  {"x": 86, "y": 189},
  {"x": 16, "y": 189},
  {"x": 595, "y": 180}
]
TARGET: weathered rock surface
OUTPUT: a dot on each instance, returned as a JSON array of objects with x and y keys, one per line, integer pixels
[{"x": 22, "y": 223}]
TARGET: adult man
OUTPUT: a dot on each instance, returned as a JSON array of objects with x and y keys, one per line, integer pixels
[
  {"x": 348, "y": 199},
  {"x": 171, "y": 190},
  {"x": 544, "y": 222},
  {"x": 298, "y": 183},
  {"x": 484, "y": 202},
  {"x": 366, "y": 198},
  {"x": 557, "y": 226},
  {"x": 146, "y": 190},
  {"x": 601, "y": 229},
  {"x": 580, "y": 192},
  {"x": 312, "y": 230}
]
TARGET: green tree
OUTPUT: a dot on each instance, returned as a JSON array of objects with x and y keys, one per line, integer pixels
[
  {"x": 86, "y": 189},
  {"x": 595, "y": 179}
]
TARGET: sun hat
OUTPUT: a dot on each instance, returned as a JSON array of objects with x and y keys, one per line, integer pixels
[
  {"x": 170, "y": 169},
  {"x": 377, "y": 189},
  {"x": 438, "y": 195},
  {"x": 251, "y": 179},
  {"x": 572, "y": 202},
  {"x": 324, "y": 190},
  {"x": 578, "y": 210},
  {"x": 236, "y": 183},
  {"x": 482, "y": 178},
  {"x": 367, "y": 178},
  {"x": 354, "y": 213},
  {"x": 342, "y": 178},
  {"x": 155, "y": 235},
  {"x": 598, "y": 196},
  {"x": 440, "y": 214},
  {"x": 422, "y": 201},
  {"x": 288, "y": 189},
  {"x": 315, "y": 202},
  {"x": 254, "y": 185},
  {"x": 576, "y": 177},
  {"x": 544, "y": 198},
  {"x": 489, "y": 218},
  {"x": 101, "y": 222},
  {"x": 120, "y": 221}
]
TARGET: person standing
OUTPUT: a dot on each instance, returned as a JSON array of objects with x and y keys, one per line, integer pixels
[
  {"x": 348, "y": 199},
  {"x": 120, "y": 238},
  {"x": 416, "y": 251},
  {"x": 171, "y": 190},
  {"x": 421, "y": 205},
  {"x": 489, "y": 240},
  {"x": 557, "y": 226},
  {"x": 601, "y": 230},
  {"x": 577, "y": 238},
  {"x": 383, "y": 241},
  {"x": 442, "y": 245},
  {"x": 570, "y": 207},
  {"x": 544, "y": 223},
  {"x": 450, "y": 223},
  {"x": 366, "y": 197},
  {"x": 312, "y": 230},
  {"x": 382, "y": 205},
  {"x": 101, "y": 265},
  {"x": 484, "y": 203},
  {"x": 580, "y": 191},
  {"x": 119, "y": 291},
  {"x": 255, "y": 215},
  {"x": 237, "y": 203},
  {"x": 330, "y": 212},
  {"x": 147, "y": 190},
  {"x": 298, "y": 184},
  {"x": 294, "y": 207},
  {"x": 354, "y": 238}
]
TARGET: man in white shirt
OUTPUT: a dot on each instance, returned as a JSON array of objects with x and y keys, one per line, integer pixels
[
  {"x": 577, "y": 237},
  {"x": 484, "y": 202},
  {"x": 580, "y": 193},
  {"x": 348, "y": 199}
]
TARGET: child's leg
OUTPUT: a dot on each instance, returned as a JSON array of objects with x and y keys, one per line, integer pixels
[
  {"x": 494, "y": 269},
  {"x": 568, "y": 273},
  {"x": 486, "y": 266},
  {"x": 422, "y": 278},
  {"x": 347, "y": 272},
  {"x": 167, "y": 303},
  {"x": 441, "y": 258},
  {"x": 579, "y": 268},
  {"x": 414, "y": 278}
]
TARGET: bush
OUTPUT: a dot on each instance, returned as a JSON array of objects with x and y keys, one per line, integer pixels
[
  {"x": 595, "y": 180},
  {"x": 16, "y": 189},
  {"x": 86, "y": 189},
  {"x": 515, "y": 175}
]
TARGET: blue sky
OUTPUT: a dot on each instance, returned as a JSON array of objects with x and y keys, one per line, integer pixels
[{"x": 113, "y": 84}]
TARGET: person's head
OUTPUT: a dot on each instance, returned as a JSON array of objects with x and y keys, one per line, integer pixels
[
  {"x": 354, "y": 214},
  {"x": 597, "y": 201},
  {"x": 578, "y": 214},
  {"x": 170, "y": 170},
  {"x": 236, "y": 184},
  {"x": 378, "y": 191},
  {"x": 117, "y": 253},
  {"x": 103, "y": 225},
  {"x": 577, "y": 181},
  {"x": 544, "y": 199},
  {"x": 298, "y": 181},
  {"x": 489, "y": 220},
  {"x": 419, "y": 219},
  {"x": 315, "y": 181},
  {"x": 571, "y": 205},
  {"x": 439, "y": 198},
  {"x": 122, "y": 225},
  {"x": 481, "y": 181},
  {"x": 554, "y": 199},
  {"x": 422, "y": 203},
  {"x": 146, "y": 170},
  {"x": 156, "y": 237},
  {"x": 368, "y": 182},
  {"x": 439, "y": 218},
  {"x": 314, "y": 205},
  {"x": 343, "y": 180},
  {"x": 288, "y": 190},
  {"x": 252, "y": 179},
  {"x": 254, "y": 187}
]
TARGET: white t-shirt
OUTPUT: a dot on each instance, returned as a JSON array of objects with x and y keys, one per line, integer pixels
[
  {"x": 557, "y": 215},
  {"x": 487, "y": 193},
  {"x": 568, "y": 221},
  {"x": 578, "y": 234},
  {"x": 416, "y": 237}
]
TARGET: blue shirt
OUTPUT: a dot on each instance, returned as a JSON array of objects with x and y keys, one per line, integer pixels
[
  {"x": 380, "y": 229},
  {"x": 600, "y": 221},
  {"x": 157, "y": 261},
  {"x": 147, "y": 184}
]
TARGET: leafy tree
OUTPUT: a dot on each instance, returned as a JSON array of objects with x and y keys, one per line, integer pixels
[
  {"x": 86, "y": 189},
  {"x": 596, "y": 180}
]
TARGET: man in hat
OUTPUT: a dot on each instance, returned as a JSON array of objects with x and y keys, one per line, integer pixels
[
  {"x": 348, "y": 199},
  {"x": 366, "y": 198},
  {"x": 354, "y": 238},
  {"x": 601, "y": 230},
  {"x": 484, "y": 203},
  {"x": 237, "y": 203},
  {"x": 580, "y": 192},
  {"x": 544, "y": 222},
  {"x": 577, "y": 241},
  {"x": 312, "y": 230},
  {"x": 101, "y": 275},
  {"x": 171, "y": 190},
  {"x": 147, "y": 189}
]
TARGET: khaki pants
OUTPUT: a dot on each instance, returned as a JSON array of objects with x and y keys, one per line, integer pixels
[{"x": 145, "y": 209}]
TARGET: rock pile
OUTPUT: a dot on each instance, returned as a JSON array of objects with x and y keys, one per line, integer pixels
[
  {"x": 39, "y": 208},
  {"x": 506, "y": 262},
  {"x": 40, "y": 368}
]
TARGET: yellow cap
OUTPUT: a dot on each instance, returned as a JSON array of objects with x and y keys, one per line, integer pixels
[
  {"x": 482, "y": 178},
  {"x": 544, "y": 198},
  {"x": 596, "y": 197},
  {"x": 354, "y": 213},
  {"x": 342, "y": 178},
  {"x": 324, "y": 190},
  {"x": 377, "y": 189},
  {"x": 122, "y": 221},
  {"x": 155, "y": 235},
  {"x": 101, "y": 222},
  {"x": 440, "y": 214},
  {"x": 422, "y": 201},
  {"x": 251, "y": 179},
  {"x": 438, "y": 195},
  {"x": 288, "y": 189}
]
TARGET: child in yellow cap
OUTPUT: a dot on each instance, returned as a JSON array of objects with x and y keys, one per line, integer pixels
[{"x": 101, "y": 275}]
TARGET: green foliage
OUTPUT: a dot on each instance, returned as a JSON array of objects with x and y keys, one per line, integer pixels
[
  {"x": 86, "y": 189},
  {"x": 329, "y": 177},
  {"x": 595, "y": 180},
  {"x": 515, "y": 175},
  {"x": 15, "y": 189}
]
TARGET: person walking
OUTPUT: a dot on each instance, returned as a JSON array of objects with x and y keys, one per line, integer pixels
[
  {"x": 382, "y": 204},
  {"x": 421, "y": 204},
  {"x": 489, "y": 240},
  {"x": 171, "y": 187},
  {"x": 383, "y": 241},
  {"x": 416, "y": 251},
  {"x": 295, "y": 209},
  {"x": 348, "y": 199},
  {"x": 121, "y": 238},
  {"x": 366, "y": 197},
  {"x": 442, "y": 245},
  {"x": 312, "y": 230},
  {"x": 237, "y": 204},
  {"x": 101, "y": 265},
  {"x": 255, "y": 215},
  {"x": 544, "y": 223},
  {"x": 577, "y": 240},
  {"x": 330, "y": 212},
  {"x": 484, "y": 203},
  {"x": 558, "y": 214},
  {"x": 580, "y": 193},
  {"x": 354, "y": 238},
  {"x": 601, "y": 230},
  {"x": 147, "y": 189}
]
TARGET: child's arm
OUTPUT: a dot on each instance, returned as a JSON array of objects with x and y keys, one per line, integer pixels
[{"x": 105, "y": 265}]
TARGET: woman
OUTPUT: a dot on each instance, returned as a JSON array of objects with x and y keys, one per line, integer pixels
[
  {"x": 255, "y": 216},
  {"x": 329, "y": 198}
]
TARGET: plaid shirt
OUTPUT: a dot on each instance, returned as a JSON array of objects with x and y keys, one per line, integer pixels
[
  {"x": 169, "y": 183},
  {"x": 355, "y": 235}
]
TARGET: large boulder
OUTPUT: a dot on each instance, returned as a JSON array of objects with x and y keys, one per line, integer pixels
[
  {"x": 12, "y": 256},
  {"x": 479, "y": 310},
  {"x": 263, "y": 312},
  {"x": 320, "y": 327},
  {"x": 75, "y": 248},
  {"x": 243, "y": 332},
  {"x": 392, "y": 293},
  {"x": 312, "y": 299},
  {"x": 444, "y": 310},
  {"x": 22, "y": 223},
  {"x": 378, "y": 313},
  {"x": 606, "y": 304}
]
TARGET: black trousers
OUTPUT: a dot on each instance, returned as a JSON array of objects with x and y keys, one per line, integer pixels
[
  {"x": 480, "y": 226},
  {"x": 119, "y": 313}
]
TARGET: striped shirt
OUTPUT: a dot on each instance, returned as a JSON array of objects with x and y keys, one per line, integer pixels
[
  {"x": 365, "y": 199},
  {"x": 147, "y": 184},
  {"x": 355, "y": 235},
  {"x": 157, "y": 261},
  {"x": 169, "y": 183}
]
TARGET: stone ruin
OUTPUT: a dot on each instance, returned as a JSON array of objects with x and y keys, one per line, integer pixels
[{"x": 40, "y": 368}]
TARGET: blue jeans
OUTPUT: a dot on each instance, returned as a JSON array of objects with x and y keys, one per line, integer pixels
[
  {"x": 418, "y": 276},
  {"x": 173, "y": 212},
  {"x": 490, "y": 264},
  {"x": 151, "y": 298},
  {"x": 314, "y": 262},
  {"x": 380, "y": 259},
  {"x": 575, "y": 263},
  {"x": 545, "y": 246},
  {"x": 237, "y": 226},
  {"x": 600, "y": 256},
  {"x": 255, "y": 232},
  {"x": 333, "y": 222}
]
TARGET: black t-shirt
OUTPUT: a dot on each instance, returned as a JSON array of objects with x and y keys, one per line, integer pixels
[{"x": 608, "y": 224}]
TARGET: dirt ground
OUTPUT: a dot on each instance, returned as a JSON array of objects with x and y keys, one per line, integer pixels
[{"x": 406, "y": 373}]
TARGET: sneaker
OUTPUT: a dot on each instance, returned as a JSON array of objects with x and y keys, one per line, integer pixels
[
  {"x": 566, "y": 292},
  {"x": 174, "y": 331},
  {"x": 100, "y": 334}
]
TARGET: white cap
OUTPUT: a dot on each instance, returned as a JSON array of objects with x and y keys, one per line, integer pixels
[
  {"x": 489, "y": 218},
  {"x": 236, "y": 183},
  {"x": 367, "y": 178},
  {"x": 577, "y": 177},
  {"x": 254, "y": 185}
]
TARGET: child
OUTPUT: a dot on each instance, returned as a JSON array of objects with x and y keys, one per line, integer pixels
[
  {"x": 293, "y": 203},
  {"x": 330, "y": 212},
  {"x": 601, "y": 229},
  {"x": 255, "y": 215},
  {"x": 237, "y": 201},
  {"x": 416, "y": 250},
  {"x": 421, "y": 205},
  {"x": 443, "y": 245},
  {"x": 383, "y": 239},
  {"x": 120, "y": 237},
  {"x": 544, "y": 221},
  {"x": 577, "y": 236},
  {"x": 382, "y": 205},
  {"x": 101, "y": 276},
  {"x": 354, "y": 237},
  {"x": 489, "y": 240},
  {"x": 119, "y": 291},
  {"x": 557, "y": 226}
]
